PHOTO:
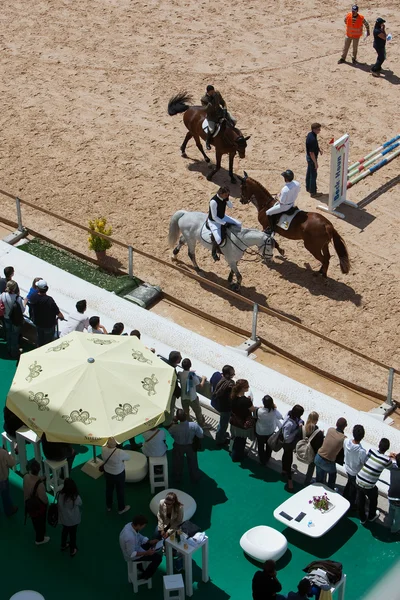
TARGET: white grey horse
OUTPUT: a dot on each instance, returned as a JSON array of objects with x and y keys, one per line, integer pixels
[{"x": 190, "y": 228}]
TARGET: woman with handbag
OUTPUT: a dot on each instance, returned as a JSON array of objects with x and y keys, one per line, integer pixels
[
  {"x": 69, "y": 515},
  {"x": 316, "y": 442},
  {"x": 114, "y": 472},
  {"x": 291, "y": 431},
  {"x": 36, "y": 502},
  {"x": 242, "y": 422},
  {"x": 268, "y": 419},
  {"x": 169, "y": 516}
]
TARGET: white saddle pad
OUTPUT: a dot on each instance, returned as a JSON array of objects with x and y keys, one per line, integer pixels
[
  {"x": 205, "y": 128},
  {"x": 205, "y": 235},
  {"x": 285, "y": 220}
]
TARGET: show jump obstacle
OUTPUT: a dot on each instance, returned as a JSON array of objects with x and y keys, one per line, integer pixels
[{"x": 343, "y": 177}]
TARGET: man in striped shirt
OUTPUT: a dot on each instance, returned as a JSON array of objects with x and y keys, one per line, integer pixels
[{"x": 367, "y": 477}]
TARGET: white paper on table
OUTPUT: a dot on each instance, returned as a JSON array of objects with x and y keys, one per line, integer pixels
[{"x": 159, "y": 545}]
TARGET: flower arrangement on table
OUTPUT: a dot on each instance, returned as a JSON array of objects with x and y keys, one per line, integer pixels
[
  {"x": 321, "y": 503},
  {"x": 96, "y": 243}
]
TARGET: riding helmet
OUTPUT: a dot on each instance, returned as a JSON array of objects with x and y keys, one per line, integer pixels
[{"x": 288, "y": 174}]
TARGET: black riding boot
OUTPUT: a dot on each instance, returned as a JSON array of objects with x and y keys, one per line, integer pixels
[
  {"x": 208, "y": 140},
  {"x": 214, "y": 251}
]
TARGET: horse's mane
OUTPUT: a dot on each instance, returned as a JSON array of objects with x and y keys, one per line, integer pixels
[{"x": 261, "y": 187}]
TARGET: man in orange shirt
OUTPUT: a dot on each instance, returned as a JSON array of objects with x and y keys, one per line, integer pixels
[{"x": 354, "y": 26}]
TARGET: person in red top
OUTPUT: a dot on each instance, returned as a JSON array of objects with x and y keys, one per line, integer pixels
[{"x": 354, "y": 26}]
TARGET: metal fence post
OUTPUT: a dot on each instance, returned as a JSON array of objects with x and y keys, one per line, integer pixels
[
  {"x": 390, "y": 387},
  {"x": 254, "y": 324},
  {"x": 19, "y": 214},
  {"x": 130, "y": 261}
]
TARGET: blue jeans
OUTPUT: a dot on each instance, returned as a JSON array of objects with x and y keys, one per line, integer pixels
[
  {"x": 222, "y": 427},
  {"x": 117, "y": 482},
  {"x": 12, "y": 337},
  {"x": 394, "y": 517},
  {"x": 311, "y": 176},
  {"x": 325, "y": 468},
  {"x": 6, "y": 497},
  {"x": 45, "y": 335}
]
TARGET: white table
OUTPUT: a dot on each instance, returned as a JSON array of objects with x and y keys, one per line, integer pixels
[
  {"x": 25, "y": 435},
  {"x": 187, "y": 557},
  {"x": 314, "y": 523}
]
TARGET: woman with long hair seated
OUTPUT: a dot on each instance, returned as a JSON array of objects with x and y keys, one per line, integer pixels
[
  {"x": 242, "y": 422},
  {"x": 169, "y": 516}
]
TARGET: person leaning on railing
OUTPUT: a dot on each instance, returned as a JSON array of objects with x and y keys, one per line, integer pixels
[{"x": 45, "y": 314}]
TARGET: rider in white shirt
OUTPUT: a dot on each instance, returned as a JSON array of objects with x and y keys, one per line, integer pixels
[
  {"x": 286, "y": 198},
  {"x": 217, "y": 217}
]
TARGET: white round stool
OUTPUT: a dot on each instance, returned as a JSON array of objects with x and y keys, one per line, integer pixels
[
  {"x": 189, "y": 503},
  {"x": 136, "y": 467},
  {"x": 264, "y": 543},
  {"x": 27, "y": 595}
]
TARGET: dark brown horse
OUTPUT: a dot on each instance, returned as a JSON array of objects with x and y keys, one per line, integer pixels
[
  {"x": 314, "y": 229},
  {"x": 229, "y": 140}
]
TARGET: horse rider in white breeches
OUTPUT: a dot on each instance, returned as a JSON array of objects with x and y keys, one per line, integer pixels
[
  {"x": 217, "y": 218},
  {"x": 286, "y": 198}
]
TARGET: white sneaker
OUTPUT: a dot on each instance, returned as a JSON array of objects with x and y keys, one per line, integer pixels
[
  {"x": 375, "y": 517},
  {"x": 45, "y": 540},
  {"x": 124, "y": 510}
]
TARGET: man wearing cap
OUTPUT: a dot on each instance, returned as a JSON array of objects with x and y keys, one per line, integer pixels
[
  {"x": 354, "y": 26},
  {"x": 45, "y": 313},
  {"x": 312, "y": 152},
  {"x": 286, "y": 198},
  {"x": 379, "y": 45}
]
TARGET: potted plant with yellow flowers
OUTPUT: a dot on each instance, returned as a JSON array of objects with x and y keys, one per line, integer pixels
[{"x": 99, "y": 244}]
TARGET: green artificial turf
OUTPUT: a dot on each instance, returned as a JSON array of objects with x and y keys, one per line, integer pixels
[
  {"x": 120, "y": 284},
  {"x": 231, "y": 499}
]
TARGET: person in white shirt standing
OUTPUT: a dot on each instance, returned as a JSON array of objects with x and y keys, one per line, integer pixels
[
  {"x": 114, "y": 472},
  {"x": 217, "y": 218},
  {"x": 189, "y": 383},
  {"x": 76, "y": 320},
  {"x": 354, "y": 459},
  {"x": 286, "y": 199},
  {"x": 154, "y": 442},
  {"x": 136, "y": 546}
]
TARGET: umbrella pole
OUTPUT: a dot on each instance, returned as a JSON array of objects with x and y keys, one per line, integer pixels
[{"x": 94, "y": 454}]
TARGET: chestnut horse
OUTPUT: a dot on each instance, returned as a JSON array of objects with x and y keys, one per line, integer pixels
[
  {"x": 229, "y": 140},
  {"x": 314, "y": 229}
]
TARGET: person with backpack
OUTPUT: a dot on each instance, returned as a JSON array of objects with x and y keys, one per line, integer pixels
[
  {"x": 268, "y": 419},
  {"x": 291, "y": 431},
  {"x": 69, "y": 515},
  {"x": 221, "y": 401},
  {"x": 12, "y": 307},
  {"x": 36, "y": 502},
  {"x": 308, "y": 446}
]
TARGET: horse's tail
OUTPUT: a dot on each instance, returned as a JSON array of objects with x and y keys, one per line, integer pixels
[
  {"x": 341, "y": 251},
  {"x": 177, "y": 104},
  {"x": 174, "y": 228}
]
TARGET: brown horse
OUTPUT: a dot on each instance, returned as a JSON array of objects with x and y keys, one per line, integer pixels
[
  {"x": 314, "y": 229},
  {"x": 229, "y": 140}
]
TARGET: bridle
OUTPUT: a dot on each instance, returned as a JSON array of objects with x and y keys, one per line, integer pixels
[{"x": 248, "y": 250}]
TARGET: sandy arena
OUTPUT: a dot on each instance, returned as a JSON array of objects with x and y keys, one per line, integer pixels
[{"x": 85, "y": 132}]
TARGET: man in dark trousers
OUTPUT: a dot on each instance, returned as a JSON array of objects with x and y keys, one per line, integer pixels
[
  {"x": 265, "y": 585},
  {"x": 217, "y": 218},
  {"x": 216, "y": 109},
  {"x": 312, "y": 152},
  {"x": 379, "y": 45},
  {"x": 45, "y": 314},
  {"x": 221, "y": 400},
  {"x": 174, "y": 359}
]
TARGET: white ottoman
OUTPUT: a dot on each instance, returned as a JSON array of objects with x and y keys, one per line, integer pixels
[
  {"x": 263, "y": 543},
  {"x": 189, "y": 503},
  {"x": 27, "y": 595},
  {"x": 136, "y": 467}
]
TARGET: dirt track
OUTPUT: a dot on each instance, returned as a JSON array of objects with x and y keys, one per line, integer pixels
[{"x": 84, "y": 131}]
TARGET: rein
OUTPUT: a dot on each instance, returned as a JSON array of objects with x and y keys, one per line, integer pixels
[{"x": 247, "y": 249}]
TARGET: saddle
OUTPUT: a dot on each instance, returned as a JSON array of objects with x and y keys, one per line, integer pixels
[
  {"x": 208, "y": 237},
  {"x": 205, "y": 127},
  {"x": 283, "y": 220}
]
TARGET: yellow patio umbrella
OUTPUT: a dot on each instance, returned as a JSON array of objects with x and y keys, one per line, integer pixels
[{"x": 84, "y": 388}]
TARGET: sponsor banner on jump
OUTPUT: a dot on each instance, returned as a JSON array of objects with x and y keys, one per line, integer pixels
[{"x": 339, "y": 168}]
